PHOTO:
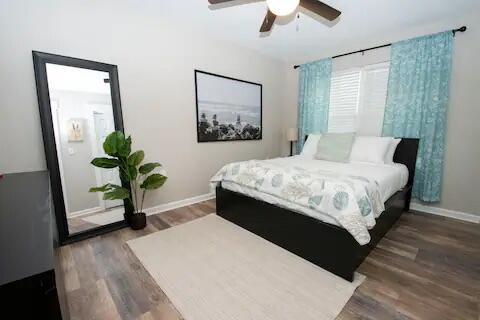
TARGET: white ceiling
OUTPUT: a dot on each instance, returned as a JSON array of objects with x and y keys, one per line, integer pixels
[{"x": 362, "y": 22}]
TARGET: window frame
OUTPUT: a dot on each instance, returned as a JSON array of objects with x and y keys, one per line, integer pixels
[{"x": 360, "y": 99}]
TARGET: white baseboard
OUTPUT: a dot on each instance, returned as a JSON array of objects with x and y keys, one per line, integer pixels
[
  {"x": 445, "y": 212},
  {"x": 177, "y": 204},
  {"x": 84, "y": 212},
  {"x": 469, "y": 217}
]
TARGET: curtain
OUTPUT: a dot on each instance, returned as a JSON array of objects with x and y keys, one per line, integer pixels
[
  {"x": 416, "y": 106},
  {"x": 313, "y": 98}
]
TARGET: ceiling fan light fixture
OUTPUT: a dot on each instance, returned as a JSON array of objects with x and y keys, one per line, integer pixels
[{"x": 282, "y": 7}]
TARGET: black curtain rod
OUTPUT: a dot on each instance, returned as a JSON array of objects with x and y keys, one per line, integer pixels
[{"x": 461, "y": 29}]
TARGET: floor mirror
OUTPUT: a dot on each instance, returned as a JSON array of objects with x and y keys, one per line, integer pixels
[{"x": 79, "y": 102}]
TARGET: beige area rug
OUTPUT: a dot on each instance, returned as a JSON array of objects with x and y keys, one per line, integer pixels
[{"x": 212, "y": 269}]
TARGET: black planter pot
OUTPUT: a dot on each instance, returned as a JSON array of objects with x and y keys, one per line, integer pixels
[{"x": 136, "y": 221}]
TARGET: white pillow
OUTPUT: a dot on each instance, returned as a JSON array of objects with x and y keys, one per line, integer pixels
[
  {"x": 391, "y": 150},
  {"x": 370, "y": 149},
  {"x": 310, "y": 146}
]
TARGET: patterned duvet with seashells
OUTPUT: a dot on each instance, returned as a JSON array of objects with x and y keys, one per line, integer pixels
[{"x": 353, "y": 201}]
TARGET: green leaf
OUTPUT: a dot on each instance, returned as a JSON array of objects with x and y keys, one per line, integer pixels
[
  {"x": 116, "y": 194},
  {"x": 148, "y": 167},
  {"x": 125, "y": 147},
  {"x": 100, "y": 189},
  {"x": 153, "y": 181},
  {"x": 128, "y": 173},
  {"x": 113, "y": 140},
  {"x": 136, "y": 158},
  {"x": 106, "y": 163},
  {"x": 132, "y": 172},
  {"x": 116, "y": 145},
  {"x": 124, "y": 177},
  {"x": 104, "y": 188}
]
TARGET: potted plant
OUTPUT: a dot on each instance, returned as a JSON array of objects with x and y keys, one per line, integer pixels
[{"x": 132, "y": 173}]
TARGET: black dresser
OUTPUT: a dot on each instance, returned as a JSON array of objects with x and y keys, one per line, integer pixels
[{"x": 27, "y": 276}]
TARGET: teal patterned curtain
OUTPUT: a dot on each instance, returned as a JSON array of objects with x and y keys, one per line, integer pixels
[
  {"x": 313, "y": 98},
  {"x": 416, "y": 107}
]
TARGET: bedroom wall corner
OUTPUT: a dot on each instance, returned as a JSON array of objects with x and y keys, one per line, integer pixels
[
  {"x": 289, "y": 106},
  {"x": 156, "y": 63}
]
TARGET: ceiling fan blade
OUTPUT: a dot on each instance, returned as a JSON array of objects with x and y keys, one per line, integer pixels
[
  {"x": 219, "y": 1},
  {"x": 321, "y": 9},
  {"x": 268, "y": 22}
]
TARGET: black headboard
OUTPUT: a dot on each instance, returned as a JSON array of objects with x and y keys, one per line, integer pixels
[{"x": 406, "y": 153}]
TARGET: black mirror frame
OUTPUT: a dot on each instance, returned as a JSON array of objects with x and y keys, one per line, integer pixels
[{"x": 40, "y": 59}]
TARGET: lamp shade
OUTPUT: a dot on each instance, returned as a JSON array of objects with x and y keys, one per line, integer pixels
[{"x": 292, "y": 134}]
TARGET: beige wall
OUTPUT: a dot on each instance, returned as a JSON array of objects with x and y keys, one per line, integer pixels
[
  {"x": 156, "y": 65},
  {"x": 461, "y": 185},
  {"x": 156, "y": 70}
]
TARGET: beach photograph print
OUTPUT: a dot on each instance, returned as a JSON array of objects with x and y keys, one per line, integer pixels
[{"x": 227, "y": 109}]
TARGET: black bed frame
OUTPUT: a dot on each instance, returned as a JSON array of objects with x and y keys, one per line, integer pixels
[{"x": 328, "y": 246}]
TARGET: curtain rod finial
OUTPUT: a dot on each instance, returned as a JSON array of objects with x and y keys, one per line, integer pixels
[{"x": 461, "y": 29}]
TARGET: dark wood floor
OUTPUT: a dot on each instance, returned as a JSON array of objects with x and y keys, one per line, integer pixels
[{"x": 426, "y": 267}]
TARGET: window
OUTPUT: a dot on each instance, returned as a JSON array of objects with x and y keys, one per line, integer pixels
[
  {"x": 357, "y": 100},
  {"x": 344, "y": 96}
]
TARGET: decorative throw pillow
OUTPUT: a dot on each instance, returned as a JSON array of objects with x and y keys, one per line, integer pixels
[
  {"x": 335, "y": 147},
  {"x": 370, "y": 149},
  {"x": 391, "y": 150},
  {"x": 310, "y": 147}
]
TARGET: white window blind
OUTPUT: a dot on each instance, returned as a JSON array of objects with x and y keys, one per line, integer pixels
[
  {"x": 344, "y": 96},
  {"x": 373, "y": 95},
  {"x": 357, "y": 100}
]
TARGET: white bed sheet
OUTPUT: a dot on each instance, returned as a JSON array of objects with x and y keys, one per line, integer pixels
[{"x": 390, "y": 177}]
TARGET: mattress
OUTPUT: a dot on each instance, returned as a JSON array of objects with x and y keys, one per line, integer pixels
[{"x": 390, "y": 178}]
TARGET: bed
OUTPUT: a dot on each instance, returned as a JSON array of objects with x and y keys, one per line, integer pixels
[{"x": 314, "y": 236}]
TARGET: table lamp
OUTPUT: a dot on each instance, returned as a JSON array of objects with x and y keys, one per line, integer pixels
[{"x": 292, "y": 136}]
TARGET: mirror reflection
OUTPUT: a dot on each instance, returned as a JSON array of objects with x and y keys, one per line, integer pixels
[{"x": 82, "y": 116}]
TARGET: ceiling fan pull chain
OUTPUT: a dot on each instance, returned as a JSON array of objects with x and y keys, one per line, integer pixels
[{"x": 298, "y": 22}]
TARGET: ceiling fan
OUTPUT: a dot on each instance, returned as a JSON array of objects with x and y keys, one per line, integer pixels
[{"x": 286, "y": 7}]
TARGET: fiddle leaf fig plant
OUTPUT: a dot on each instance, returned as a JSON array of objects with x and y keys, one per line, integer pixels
[{"x": 139, "y": 176}]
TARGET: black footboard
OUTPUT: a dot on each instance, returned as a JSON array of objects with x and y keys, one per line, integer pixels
[{"x": 323, "y": 244}]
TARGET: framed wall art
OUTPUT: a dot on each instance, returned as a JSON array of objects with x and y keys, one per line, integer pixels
[{"x": 228, "y": 109}]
